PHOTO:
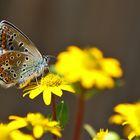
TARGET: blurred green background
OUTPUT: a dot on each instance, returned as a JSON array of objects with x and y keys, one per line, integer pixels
[{"x": 111, "y": 25}]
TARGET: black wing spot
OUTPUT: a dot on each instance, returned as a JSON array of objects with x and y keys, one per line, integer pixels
[
  {"x": 20, "y": 44},
  {"x": 7, "y": 61},
  {"x": 10, "y": 43},
  {"x": 26, "y": 58},
  {"x": 11, "y": 39},
  {"x": 4, "y": 27},
  {"x": 12, "y": 71},
  {"x": 26, "y": 50},
  {"x": 24, "y": 65},
  {"x": 11, "y": 47},
  {"x": 23, "y": 70},
  {"x": 9, "y": 68},
  {"x": 11, "y": 57},
  {"x": 18, "y": 55},
  {"x": 14, "y": 34},
  {"x": 1, "y": 75},
  {"x": 14, "y": 75},
  {"x": 6, "y": 64}
]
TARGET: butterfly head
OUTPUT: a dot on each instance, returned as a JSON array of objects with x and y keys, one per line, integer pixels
[{"x": 48, "y": 58}]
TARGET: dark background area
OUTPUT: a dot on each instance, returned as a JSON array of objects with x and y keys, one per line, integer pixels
[{"x": 111, "y": 25}]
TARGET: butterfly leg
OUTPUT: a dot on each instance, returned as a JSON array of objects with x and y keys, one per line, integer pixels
[{"x": 36, "y": 81}]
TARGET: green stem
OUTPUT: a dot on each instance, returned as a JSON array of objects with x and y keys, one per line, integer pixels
[
  {"x": 79, "y": 116},
  {"x": 54, "y": 137}
]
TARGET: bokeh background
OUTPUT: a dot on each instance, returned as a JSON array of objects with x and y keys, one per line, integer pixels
[{"x": 111, "y": 25}]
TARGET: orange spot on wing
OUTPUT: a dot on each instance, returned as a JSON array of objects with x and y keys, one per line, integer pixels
[
  {"x": 1, "y": 69},
  {"x": 3, "y": 44}
]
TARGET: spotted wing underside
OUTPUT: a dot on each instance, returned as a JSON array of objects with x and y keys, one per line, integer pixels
[
  {"x": 15, "y": 68},
  {"x": 12, "y": 39}
]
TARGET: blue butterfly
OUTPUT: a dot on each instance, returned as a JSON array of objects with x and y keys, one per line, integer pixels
[{"x": 20, "y": 60}]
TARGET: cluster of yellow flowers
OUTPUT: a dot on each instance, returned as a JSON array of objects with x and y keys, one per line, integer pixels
[
  {"x": 35, "y": 121},
  {"x": 87, "y": 67}
]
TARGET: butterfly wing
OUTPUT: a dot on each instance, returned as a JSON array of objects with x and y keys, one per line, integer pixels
[
  {"x": 12, "y": 39},
  {"x": 17, "y": 68},
  {"x": 20, "y": 61}
]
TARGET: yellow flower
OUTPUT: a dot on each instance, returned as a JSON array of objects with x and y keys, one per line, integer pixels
[
  {"x": 49, "y": 84},
  {"x": 101, "y": 135},
  {"x": 128, "y": 115},
  {"x": 38, "y": 123},
  {"x": 10, "y": 133},
  {"x": 88, "y": 67}
]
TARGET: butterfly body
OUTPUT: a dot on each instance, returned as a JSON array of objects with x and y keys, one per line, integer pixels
[{"x": 20, "y": 60}]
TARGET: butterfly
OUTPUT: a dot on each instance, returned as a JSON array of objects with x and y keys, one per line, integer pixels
[{"x": 20, "y": 60}]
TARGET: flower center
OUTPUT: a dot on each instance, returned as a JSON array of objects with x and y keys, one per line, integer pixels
[{"x": 52, "y": 80}]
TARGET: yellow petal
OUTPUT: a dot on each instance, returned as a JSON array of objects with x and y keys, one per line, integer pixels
[
  {"x": 131, "y": 135},
  {"x": 95, "y": 52},
  {"x": 47, "y": 96},
  {"x": 16, "y": 124},
  {"x": 38, "y": 131},
  {"x": 112, "y": 67},
  {"x": 56, "y": 131},
  {"x": 17, "y": 135},
  {"x": 88, "y": 79},
  {"x": 116, "y": 119},
  {"x": 67, "y": 88},
  {"x": 57, "y": 91},
  {"x": 34, "y": 93}
]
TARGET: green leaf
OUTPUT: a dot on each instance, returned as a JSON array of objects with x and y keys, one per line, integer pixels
[{"x": 62, "y": 114}]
